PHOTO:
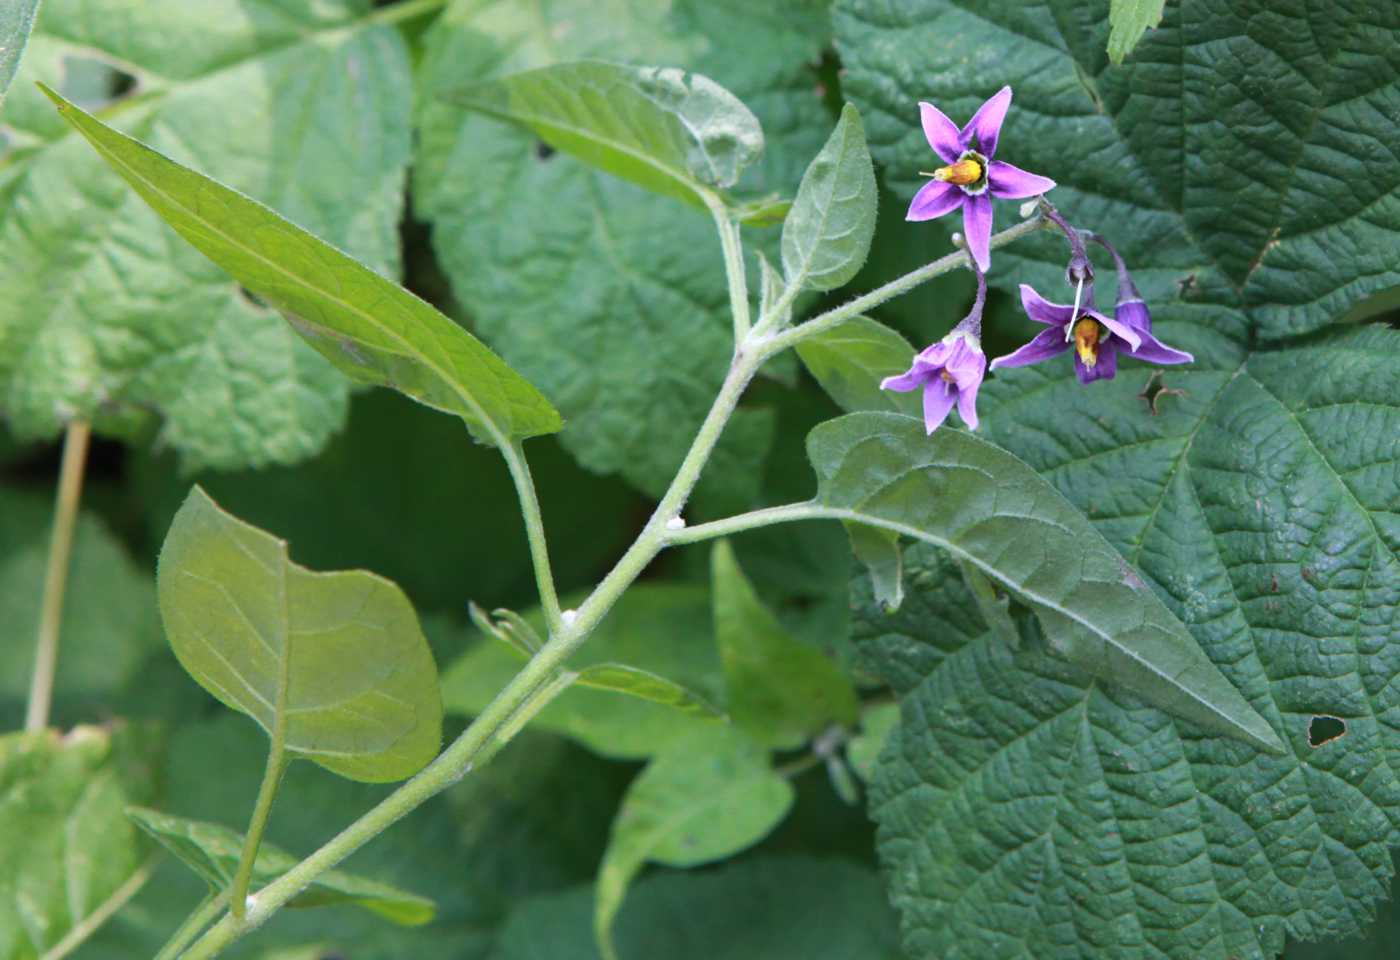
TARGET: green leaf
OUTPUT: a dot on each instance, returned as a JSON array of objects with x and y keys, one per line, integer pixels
[
  {"x": 826, "y": 236},
  {"x": 509, "y": 627},
  {"x": 774, "y": 908},
  {"x": 620, "y": 678},
  {"x": 370, "y": 328},
  {"x": 105, "y": 314},
  {"x": 542, "y": 250},
  {"x": 850, "y": 359},
  {"x": 704, "y": 798},
  {"x": 333, "y": 662},
  {"x": 16, "y": 20},
  {"x": 677, "y": 134},
  {"x": 876, "y": 724},
  {"x": 212, "y": 851},
  {"x": 989, "y": 509},
  {"x": 763, "y": 212},
  {"x": 879, "y": 552},
  {"x": 65, "y": 844},
  {"x": 658, "y": 629},
  {"x": 781, "y": 691},
  {"x": 1128, "y": 21}
]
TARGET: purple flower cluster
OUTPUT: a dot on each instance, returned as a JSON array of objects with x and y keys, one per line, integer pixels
[{"x": 950, "y": 371}]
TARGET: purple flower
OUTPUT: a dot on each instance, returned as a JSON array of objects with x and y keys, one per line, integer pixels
[
  {"x": 950, "y": 371},
  {"x": 1095, "y": 337},
  {"x": 972, "y": 177}
]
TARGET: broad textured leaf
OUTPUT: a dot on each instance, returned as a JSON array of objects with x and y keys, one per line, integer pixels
[
  {"x": 1243, "y": 172},
  {"x": 989, "y": 509},
  {"x": 781, "y": 691},
  {"x": 611, "y": 299},
  {"x": 64, "y": 841},
  {"x": 704, "y": 798},
  {"x": 16, "y": 20},
  {"x": 337, "y": 657},
  {"x": 774, "y": 908},
  {"x": 662, "y": 629},
  {"x": 851, "y": 359},
  {"x": 1128, "y": 20},
  {"x": 213, "y": 850},
  {"x": 826, "y": 235},
  {"x": 677, "y": 134},
  {"x": 370, "y": 328},
  {"x": 106, "y": 313}
]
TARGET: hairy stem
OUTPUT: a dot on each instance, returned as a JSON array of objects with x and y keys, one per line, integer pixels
[
  {"x": 534, "y": 532},
  {"x": 118, "y": 899},
  {"x": 209, "y": 908},
  {"x": 70, "y": 489},
  {"x": 257, "y": 825},
  {"x": 733, "y": 247},
  {"x": 746, "y": 521}
]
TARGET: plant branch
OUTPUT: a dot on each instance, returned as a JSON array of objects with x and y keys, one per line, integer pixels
[
  {"x": 70, "y": 489},
  {"x": 734, "y": 270},
  {"x": 747, "y": 521},
  {"x": 118, "y": 899},
  {"x": 534, "y": 532},
  {"x": 194, "y": 924}
]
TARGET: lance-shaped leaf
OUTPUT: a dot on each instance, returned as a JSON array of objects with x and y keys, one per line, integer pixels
[
  {"x": 706, "y": 797},
  {"x": 644, "y": 685},
  {"x": 780, "y": 690},
  {"x": 16, "y": 20},
  {"x": 989, "y": 509},
  {"x": 370, "y": 328},
  {"x": 827, "y": 232},
  {"x": 335, "y": 661},
  {"x": 212, "y": 851},
  {"x": 676, "y": 133},
  {"x": 851, "y": 359}
]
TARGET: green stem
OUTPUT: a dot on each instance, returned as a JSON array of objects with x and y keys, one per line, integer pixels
[
  {"x": 209, "y": 908},
  {"x": 534, "y": 532},
  {"x": 89, "y": 924},
  {"x": 733, "y": 247},
  {"x": 748, "y": 521},
  {"x": 272, "y": 778},
  {"x": 70, "y": 489},
  {"x": 889, "y": 291}
]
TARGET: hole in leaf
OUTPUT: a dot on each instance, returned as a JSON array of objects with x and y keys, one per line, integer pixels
[
  {"x": 543, "y": 151},
  {"x": 1325, "y": 729},
  {"x": 92, "y": 83}
]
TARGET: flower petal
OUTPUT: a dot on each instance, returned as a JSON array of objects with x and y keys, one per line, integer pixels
[
  {"x": 1118, "y": 329},
  {"x": 977, "y": 229},
  {"x": 934, "y": 199},
  {"x": 1155, "y": 351},
  {"x": 1104, "y": 369},
  {"x": 985, "y": 124},
  {"x": 904, "y": 382},
  {"x": 967, "y": 404},
  {"x": 1010, "y": 182},
  {"x": 966, "y": 364},
  {"x": 1043, "y": 311},
  {"x": 1043, "y": 346},
  {"x": 941, "y": 133},
  {"x": 939, "y": 396}
]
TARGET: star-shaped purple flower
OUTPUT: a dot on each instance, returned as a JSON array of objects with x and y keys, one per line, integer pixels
[
  {"x": 972, "y": 177},
  {"x": 950, "y": 372},
  {"x": 1096, "y": 338}
]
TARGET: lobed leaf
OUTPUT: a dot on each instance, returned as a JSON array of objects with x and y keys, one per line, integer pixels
[
  {"x": 369, "y": 328},
  {"x": 335, "y": 663}
]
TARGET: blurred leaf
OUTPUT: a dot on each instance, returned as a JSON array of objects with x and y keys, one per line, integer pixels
[
  {"x": 988, "y": 508},
  {"x": 763, "y": 212},
  {"x": 704, "y": 798},
  {"x": 632, "y": 682},
  {"x": 773, "y": 908},
  {"x": 851, "y": 359},
  {"x": 826, "y": 236},
  {"x": 106, "y": 314},
  {"x": 1128, "y": 20},
  {"x": 661, "y": 628},
  {"x": 65, "y": 843},
  {"x": 864, "y": 748},
  {"x": 371, "y": 329},
  {"x": 780, "y": 691},
  {"x": 16, "y": 20},
  {"x": 678, "y": 135},
  {"x": 212, "y": 851},
  {"x": 334, "y": 662}
]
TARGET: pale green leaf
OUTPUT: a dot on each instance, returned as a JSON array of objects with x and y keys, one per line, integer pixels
[
  {"x": 334, "y": 661},
  {"x": 644, "y": 685},
  {"x": 781, "y": 691},
  {"x": 764, "y": 212},
  {"x": 509, "y": 627},
  {"x": 16, "y": 20},
  {"x": 879, "y": 552},
  {"x": 65, "y": 844},
  {"x": 370, "y": 328},
  {"x": 213, "y": 850},
  {"x": 1128, "y": 20},
  {"x": 988, "y": 508},
  {"x": 850, "y": 359},
  {"x": 826, "y": 235},
  {"x": 704, "y": 798},
  {"x": 662, "y": 629},
  {"x": 876, "y": 724},
  {"x": 681, "y": 135}
]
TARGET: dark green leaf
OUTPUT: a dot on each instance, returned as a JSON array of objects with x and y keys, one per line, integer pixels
[
  {"x": 989, "y": 509},
  {"x": 851, "y": 359},
  {"x": 337, "y": 658},
  {"x": 212, "y": 851},
  {"x": 780, "y": 690},
  {"x": 1128, "y": 20},
  {"x": 370, "y": 328},
  {"x": 704, "y": 798},
  {"x": 677, "y": 134},
  {"x": 827, "y": 233}
]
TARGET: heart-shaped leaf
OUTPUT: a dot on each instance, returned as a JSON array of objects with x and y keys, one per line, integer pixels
[{"x": 334, "y": 663}]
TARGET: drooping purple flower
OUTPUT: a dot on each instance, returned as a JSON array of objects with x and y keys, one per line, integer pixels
[
  {"x": 972, "y": 177},
  {"x": 1096, "y": 338},
  {"x": 949, "y": 371}
]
